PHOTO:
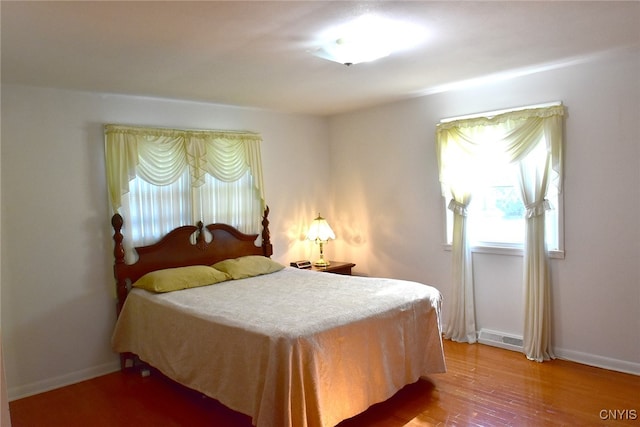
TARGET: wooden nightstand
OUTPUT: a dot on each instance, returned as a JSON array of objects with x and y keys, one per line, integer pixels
[{"x": 336, "y": 267}]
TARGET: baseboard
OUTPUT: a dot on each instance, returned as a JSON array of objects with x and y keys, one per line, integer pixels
[
  {"x": 564, "y": 354},
  {"x": 598, "y": 361},
  {"x": 14, "y": 393}
]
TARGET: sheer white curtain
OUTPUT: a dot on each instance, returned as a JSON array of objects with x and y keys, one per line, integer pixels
[
  {"x": 160, "y": 179},
  {"x": 235, "y": 203},
  {"x": 463, "y": 150},
  {"x": 535, "y": 173},
  {"x": 460, "y": 324},
  {"x": 150, "y": 211}
]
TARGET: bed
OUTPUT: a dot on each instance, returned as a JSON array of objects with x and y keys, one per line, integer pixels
[{"x": 288, "y": 347}]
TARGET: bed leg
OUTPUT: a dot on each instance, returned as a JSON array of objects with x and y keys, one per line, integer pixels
[
  {"x": 130, "y": 362},
  {"x": 127, "y": 360}
]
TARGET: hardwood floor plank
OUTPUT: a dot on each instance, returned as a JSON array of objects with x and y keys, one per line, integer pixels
[{"x": 484, "y": 386}]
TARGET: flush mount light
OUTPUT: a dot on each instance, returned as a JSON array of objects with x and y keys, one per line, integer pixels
[{"x": 367, "y": 38}]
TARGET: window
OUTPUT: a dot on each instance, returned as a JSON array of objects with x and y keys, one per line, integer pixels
[
  {"x": 160, "y": 179},
  {"x": 152, "y": 211},
  {"x": 496, "y": 213}
]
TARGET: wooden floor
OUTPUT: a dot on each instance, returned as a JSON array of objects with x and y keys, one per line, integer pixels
[{"x": 484, "y": 386}]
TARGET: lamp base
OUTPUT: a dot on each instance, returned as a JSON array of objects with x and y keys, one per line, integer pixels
[{"x": 322, "y": 263}]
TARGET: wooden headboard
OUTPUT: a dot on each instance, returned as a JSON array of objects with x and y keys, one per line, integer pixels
[{"x": 176, "y": 250}]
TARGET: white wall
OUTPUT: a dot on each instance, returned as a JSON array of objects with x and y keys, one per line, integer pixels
[
  {"x": 57, "y": 289},
  {"x": 371, "y": 173},
  {"x": 5, "y": 416},
  {"x": 389, "y": 210}
]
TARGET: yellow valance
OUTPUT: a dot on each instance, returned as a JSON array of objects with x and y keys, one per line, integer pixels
[
  {"x": 459, "y": 149},
  {"x": 160, "y": 156}
]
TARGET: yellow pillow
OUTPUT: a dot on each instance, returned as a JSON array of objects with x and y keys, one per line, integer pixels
[
  {"x": 174, "y": 279},
  {"x": 248, "y": 266}
]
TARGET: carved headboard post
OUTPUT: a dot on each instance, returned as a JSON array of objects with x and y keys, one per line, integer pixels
[
  {"x": 267, "y": 248},
  {"x": 118, "y": 254},
  {"x": 200, "y": 240}
]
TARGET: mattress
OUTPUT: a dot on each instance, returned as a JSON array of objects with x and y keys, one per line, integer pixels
[{"x": 291, "y": 348}]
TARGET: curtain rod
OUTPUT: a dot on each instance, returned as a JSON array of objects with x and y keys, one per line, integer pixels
[{"x": 498, "y": 112}]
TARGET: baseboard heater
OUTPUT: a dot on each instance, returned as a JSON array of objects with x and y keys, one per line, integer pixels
[{"x": 500, "y": 339}]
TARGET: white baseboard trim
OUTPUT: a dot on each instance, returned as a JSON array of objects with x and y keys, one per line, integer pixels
[
  {"x": 598, "y": 361},
  {"x": 580, "y": 357},
  {"x": 37, "y": 387}
]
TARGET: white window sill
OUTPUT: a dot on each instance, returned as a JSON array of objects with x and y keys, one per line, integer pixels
[{"x": 506, "y": 250}]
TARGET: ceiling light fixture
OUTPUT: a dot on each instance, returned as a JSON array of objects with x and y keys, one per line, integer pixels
[{"x": 367, "y": 38}]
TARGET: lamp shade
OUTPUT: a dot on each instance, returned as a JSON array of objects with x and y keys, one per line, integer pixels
[{"x": 320, "y": 230}]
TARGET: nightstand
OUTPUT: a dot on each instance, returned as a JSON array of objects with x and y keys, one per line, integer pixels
[{"x": 336, "y": 267}]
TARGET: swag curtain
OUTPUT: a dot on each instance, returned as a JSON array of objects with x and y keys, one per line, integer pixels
[
  {"x": 464, "y": 152},
  {"x": 159, "y": 156},
  {"x": 180, "y": 176}
]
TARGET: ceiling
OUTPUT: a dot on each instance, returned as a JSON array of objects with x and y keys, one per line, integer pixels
[{"x": 258, "y": 53}]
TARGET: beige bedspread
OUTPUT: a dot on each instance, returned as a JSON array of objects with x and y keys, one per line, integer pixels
[{"x": 293, "y": 348}]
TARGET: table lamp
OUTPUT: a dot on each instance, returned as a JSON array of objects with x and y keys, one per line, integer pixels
[{"x": 321, "y": 233}]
